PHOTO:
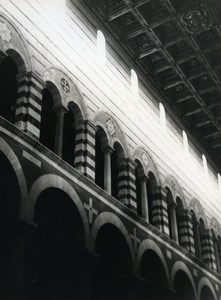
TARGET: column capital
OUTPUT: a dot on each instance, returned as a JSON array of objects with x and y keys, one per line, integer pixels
[
  {"x": 34, "y": 75},
  {"x": 131, "y": 161},
  {"x": 59, "y": 109},
  {"x": 143, "y": 178},
  {"x": 173, "y": 204},
  {"x": 107, "y": 149},
  {"x": 91, "y": 124}
]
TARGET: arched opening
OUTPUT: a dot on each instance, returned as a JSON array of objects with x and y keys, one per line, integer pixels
[
  {"x": 179, "y": 217},
  {"x": 169, "y": 200},
  {"x": 8, "y": 86},
  {"x": 185, "y": 143},
  {"x": 113, "y": 272},
  {"x": 206, "y": 294},
  {"x": 219, "y": 252},
  {"x": 99, "y": 157},
  {"x": 48, "y": 117},
  {"x": 116, "y": 166},
  {"x": 69, "y": 136},
  {"x": 162, "y": 118},
  {"x": 101, "y": 49},
  {"x": 202, "y": 236},
  {"x": 139, "y": 177},
  {"x": 151, "y": 184},
  {"x": 9, "y": 231},
  {"x": 57, "y": 254},
  {"x": 152, "y": 269},
  {"x": 183, "y": 287},
  {"x": 196, "y": 235},
  {"x": 9, "y": 193},
  {"x": 134, "y": 85},
  {"x": 216, "y": 250}
]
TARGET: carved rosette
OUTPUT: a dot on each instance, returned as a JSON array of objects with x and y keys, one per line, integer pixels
[
  {"x": 173, "y": 185},
  {"x": 196, "y": 21},
  {"x": 110, "y": 127},
  {"x": 145, "y": 160},
  {"x": 65, "y": 85}
]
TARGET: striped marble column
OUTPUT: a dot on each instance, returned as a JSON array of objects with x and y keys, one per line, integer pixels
[
  {"x": 159, "y": 209},
  {"x": 208, "y": 254},
  {"x": 219, "y": 252},
  {"x": 185, "y": 229},
  {"x": 85, "y": 149},
  {"x": 29, "y": 103},
  {"x": 126, "y": 183}
]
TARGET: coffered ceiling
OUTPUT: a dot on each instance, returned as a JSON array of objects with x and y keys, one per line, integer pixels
[{"x": 177, "y": 44}]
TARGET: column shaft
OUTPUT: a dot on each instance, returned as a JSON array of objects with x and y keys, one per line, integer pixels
[
  {"x": 107, "y": 170},
  {"x": 174, "y": 228},
  {"x": 144, "y": 199},
  {"x": 59, "y": 130}
]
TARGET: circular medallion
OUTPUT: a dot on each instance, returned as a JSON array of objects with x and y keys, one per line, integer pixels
[
  {"x": 145, "y": 160},
  {"x": 65, "y": 85}
]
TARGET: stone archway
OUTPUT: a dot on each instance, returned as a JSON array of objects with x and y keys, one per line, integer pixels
[{"x": 113, "y": 276}]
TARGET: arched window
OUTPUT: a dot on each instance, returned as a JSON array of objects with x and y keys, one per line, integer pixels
[
  {"x": 162, "y": 117},
  {"x": 139, "y": 176},
  {"x": 196, "y": 235},
  {"x": 101, "y": 49},
  {"x": 117, "y": 166},
  {"x": 48, "y": 118},
  {"x": 69, "y": 135},
  {"x": 151, "y": 184},
  {"x": 219, "y": 252},
  {"x": 134, "y": 85},
  {"x": 99, "y": 157},
  {"x": 185, "y": 143},
  {"x": 8, "y": 87},
  {"x": 216, "y": 250},
  {"x": 171, "y": 215},
  {"x": 202, "y": 235},
  {"x": 205, "y": 166},
  {"x": 169, "y": 200},
  {"x": 219, "y": 182},
  {"x": 179, "y": 217}
]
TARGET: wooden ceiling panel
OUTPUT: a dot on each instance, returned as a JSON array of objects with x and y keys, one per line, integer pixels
[{"x": 176, "y": 44}]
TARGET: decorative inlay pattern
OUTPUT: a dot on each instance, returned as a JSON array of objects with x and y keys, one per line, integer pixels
[
  {"x": 5, "y": 33},
  {"x": 91, "y": 210},
  {"x": 110, "y": 127},
  {"x": 145, "y": 160},
  {"x": 196, "y": 21},
  {"x": 65, "y": 85}
]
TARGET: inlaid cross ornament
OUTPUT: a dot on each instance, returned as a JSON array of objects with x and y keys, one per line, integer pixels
[
  {"x": 65, "y": 85},
  {"x": 135, "y": 239},
  {"x": 91, "y": 211}
]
